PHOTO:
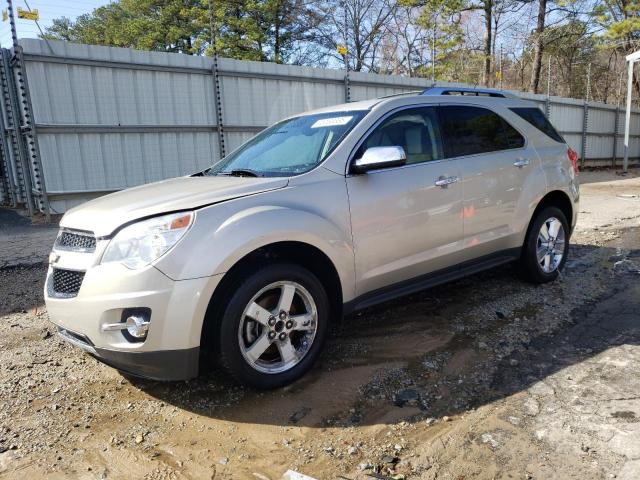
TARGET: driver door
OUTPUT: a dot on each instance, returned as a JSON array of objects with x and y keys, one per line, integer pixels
[{"x": 404, "y": 224}]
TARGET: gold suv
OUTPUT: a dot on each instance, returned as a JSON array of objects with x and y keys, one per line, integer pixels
[{"x": 321, "y": 214}]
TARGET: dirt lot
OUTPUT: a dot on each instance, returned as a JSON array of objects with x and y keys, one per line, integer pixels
[{"x": 482, "y": 378}]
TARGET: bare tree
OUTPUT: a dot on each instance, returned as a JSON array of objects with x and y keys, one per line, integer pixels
[
  {"x": 361, "y": 24},
  {"x": 406, "y": 43}
]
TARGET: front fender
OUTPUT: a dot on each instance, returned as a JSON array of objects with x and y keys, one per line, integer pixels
[{"x": 222, "y": 235}]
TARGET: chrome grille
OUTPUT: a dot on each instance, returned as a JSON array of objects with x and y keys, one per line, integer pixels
[
  {"x": 76, "y": 241},
  {"x": 66, "y": 283}
]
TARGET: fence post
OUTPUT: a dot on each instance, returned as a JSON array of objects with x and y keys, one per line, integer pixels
[
  {"x": 547, "y": 102},
  {"x": 4, "y": 188},
  {"x": 17, "y": 157},
  {"x": 6, "y": 170},
  {"x": 217, "y": 99},
  {"x": 12, "y": 190},
  {"x": 547, "y": 108},
  {"x": 23, "y": 177},
  {"x": 22, "y": 119},
  {"x": 585, "y": 124},
  {"x": 347, "y": 88},
  {"x": 616, "y": 125},
  {"x": 7, "y": 192},
  {"x": 27, "y": 129}
]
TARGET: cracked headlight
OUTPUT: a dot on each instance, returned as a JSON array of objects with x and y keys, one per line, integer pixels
[{"x": 141, "y": 243}]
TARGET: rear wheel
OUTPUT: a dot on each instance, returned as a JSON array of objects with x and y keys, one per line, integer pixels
[
  {"x": 274, "y": 325},
  {"x": 545, "y": 249}
]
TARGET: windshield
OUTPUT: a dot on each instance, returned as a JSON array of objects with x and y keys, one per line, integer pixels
[{"x": 291, "y": 147}]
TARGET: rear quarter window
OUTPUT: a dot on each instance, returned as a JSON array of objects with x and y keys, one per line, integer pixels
[
  {"x": 472, "y": 130},
  {"x": 535, "y": 117}
]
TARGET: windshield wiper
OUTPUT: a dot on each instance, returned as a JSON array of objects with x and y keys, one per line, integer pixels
[{"x": 241, "y": 172}]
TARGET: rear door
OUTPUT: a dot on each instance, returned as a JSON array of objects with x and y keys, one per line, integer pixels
[
  {"x": 405, "y": 220},
  {"x": 494, "y": 163}
]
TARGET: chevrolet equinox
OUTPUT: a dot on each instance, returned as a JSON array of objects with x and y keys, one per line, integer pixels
[{"x": 321, "y": 214}]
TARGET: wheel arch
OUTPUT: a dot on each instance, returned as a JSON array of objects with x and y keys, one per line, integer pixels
[
  {"x": 555, "y": 198},
  {"x": 559, "y": 199},
  {"x": 297, "y": 252}
]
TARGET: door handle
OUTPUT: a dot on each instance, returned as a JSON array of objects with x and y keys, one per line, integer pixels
[
  {"x": 521, "y": 162},
  {"x": 443, "y": 181}
]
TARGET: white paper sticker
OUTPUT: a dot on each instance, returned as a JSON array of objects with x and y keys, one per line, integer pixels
[
  {"x": 293, "y": 475},
  {"x": 331, "y": 122}
]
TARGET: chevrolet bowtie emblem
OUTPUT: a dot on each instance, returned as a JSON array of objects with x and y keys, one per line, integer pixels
[{"x": 53, "y": 258}]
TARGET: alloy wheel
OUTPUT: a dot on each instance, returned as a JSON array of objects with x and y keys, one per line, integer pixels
[
  {"x": 550, "y": 245},
  {"x": 278, "y": 327}
]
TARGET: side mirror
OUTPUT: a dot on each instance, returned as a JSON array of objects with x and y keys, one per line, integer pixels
[{"x": 379, "y": 157}]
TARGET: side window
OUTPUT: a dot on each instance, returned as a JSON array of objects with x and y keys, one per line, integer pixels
[
  {"x": 416, "y": 130},
  {"x": 536, "y": 118},
  {"x": 514, "y": 139},
  {"x": 473, "y": 130}
]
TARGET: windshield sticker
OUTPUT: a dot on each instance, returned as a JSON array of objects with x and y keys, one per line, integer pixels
[{"x": 331, "y": 122}]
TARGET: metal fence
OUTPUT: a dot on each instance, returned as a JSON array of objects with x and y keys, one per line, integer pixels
[{"x": 80, "y": 120}]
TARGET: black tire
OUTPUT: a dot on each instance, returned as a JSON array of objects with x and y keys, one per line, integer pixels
[
  {"x": 529, "y": 268},
  {"x": 229, "y": 350}
]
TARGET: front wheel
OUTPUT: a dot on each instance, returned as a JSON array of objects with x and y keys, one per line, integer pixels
[
  {"x": 545, "y": 249},
  {"x": 274, "y": 325}
]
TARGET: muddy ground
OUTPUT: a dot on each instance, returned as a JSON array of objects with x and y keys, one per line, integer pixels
[{"x": 486, "y": 378}]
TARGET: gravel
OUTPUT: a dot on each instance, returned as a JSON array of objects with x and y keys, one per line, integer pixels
[{"x": 486, "y": 377}]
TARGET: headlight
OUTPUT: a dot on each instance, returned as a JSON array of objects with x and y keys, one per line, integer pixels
[{"x": 143, "y": 242}]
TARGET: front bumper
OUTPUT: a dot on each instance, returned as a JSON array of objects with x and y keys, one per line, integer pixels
[
  {"x": 171, "y": 348},
  {"x": 165, "y": 365}
]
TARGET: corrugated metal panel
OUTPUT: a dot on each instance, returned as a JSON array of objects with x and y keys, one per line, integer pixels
[
  {"x": 111, "y": 91},
  {"x": 113, "y": 161},
  {"x": 261, "y": 101},
  {"x": 76, "y": 94},
  {"x": 70, "y": 94},
  {"x": 599, "y": 146},
  {"x": 601, "y": 121},
  {"x": 369, "y": 91},
  {"x": 368, "y": 85},
  {"x": 566, "y": 118}
]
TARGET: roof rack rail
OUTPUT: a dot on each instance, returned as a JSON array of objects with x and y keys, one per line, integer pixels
[
  {"x": 411, "y": 92},
  {"x": 478, "y": 92}
]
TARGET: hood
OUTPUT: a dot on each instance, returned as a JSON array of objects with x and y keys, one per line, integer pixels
[{"x": 103, "y": 215}]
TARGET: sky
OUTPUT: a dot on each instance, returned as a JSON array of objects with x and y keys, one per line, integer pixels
[{"x": 48, "y": 10}]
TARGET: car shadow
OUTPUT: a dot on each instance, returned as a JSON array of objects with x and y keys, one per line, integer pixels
[{"x": 440, "y": 352}]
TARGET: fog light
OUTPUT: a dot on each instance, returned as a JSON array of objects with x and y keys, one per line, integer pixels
[
  {"x": 137, "y": 326},
  {"x": 135, "y": 323}
]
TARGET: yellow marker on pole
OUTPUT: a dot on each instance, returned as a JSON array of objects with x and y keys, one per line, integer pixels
[
  {"x": 5, "y": 15},
  {"x": 342, "y": 50},
  {"x": 28, "y": 15}
]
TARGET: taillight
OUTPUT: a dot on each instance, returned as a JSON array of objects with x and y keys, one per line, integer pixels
[{"x": 573, "y": 158}]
